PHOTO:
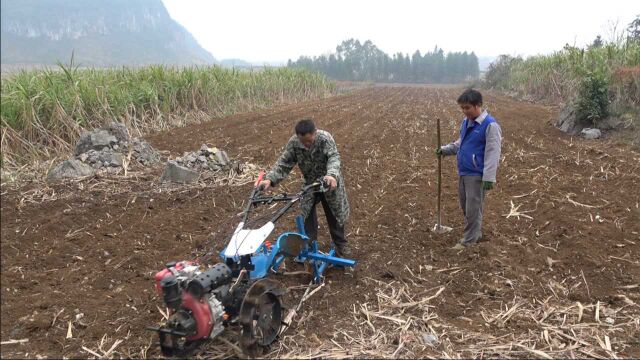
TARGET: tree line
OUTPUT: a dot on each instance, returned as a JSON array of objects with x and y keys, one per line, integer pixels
[{"x": 355, "y": 61}]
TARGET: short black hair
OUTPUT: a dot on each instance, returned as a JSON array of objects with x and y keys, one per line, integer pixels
[
  {"x": 305, "y": 126},
  {"x": 470, "y": 96}
]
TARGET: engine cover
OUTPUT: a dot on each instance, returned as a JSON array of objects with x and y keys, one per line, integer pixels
[
  {"x": 217, "y": 314},
  {"x": 201, "y": 312}
]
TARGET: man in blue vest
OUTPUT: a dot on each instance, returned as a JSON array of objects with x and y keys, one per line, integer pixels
[{"x": 478, "y": 153}]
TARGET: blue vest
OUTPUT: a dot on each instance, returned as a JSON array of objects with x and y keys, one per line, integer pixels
[{"x": 472, "y": 143}]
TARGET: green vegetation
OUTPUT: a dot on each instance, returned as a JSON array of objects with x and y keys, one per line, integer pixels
[
  {"x": 43, "y": 112},
  {"x": 558, "y": 76},
  {"x": 592, "y": 102},
  {"x": 602, "y": 76},
  {"x": 354, "y": 61}
]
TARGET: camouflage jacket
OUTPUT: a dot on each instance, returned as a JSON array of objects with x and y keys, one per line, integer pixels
[{"x": 322, "y": 159}]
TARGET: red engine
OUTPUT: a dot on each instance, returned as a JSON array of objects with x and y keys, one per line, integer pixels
[
  {"x": 201, "y": 302},
  {"x": 194, "y": 300},
  {"x": 173, "y": 269}
]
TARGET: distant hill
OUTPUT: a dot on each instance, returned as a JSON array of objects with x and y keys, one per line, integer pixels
[
  {"x": 98, "y": 32},
  {"x": 235, "y": 63}
]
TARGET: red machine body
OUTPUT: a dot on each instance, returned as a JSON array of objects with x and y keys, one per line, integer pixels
[
  {"x": 201, "y": 312},
  {"x": 166, "y": 272}
]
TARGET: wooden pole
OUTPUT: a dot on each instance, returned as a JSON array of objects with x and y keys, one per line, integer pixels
[{"x": 439, "y": 176}]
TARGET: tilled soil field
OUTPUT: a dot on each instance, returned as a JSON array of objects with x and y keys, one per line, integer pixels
[{"x": 558, "y": 277}]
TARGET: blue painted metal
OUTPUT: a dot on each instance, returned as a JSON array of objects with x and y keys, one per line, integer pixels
[
  {"x": 300, "y": 225},
  {"x": 270, "y": 257}
]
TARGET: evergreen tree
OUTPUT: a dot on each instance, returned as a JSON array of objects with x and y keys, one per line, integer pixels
[{"x": 353, "y": 60}]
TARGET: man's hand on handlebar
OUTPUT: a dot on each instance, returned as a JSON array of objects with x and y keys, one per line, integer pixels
[{"x": 331, "y": 181}]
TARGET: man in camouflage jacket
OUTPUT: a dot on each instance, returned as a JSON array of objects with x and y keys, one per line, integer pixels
[{"x": 317, "y": 155}]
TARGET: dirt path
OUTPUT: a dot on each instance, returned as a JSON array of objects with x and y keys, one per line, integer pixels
[{"x": 559, "y": 275}]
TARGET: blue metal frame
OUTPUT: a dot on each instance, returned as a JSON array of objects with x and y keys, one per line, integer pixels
[{"x": 266, "y": 259}]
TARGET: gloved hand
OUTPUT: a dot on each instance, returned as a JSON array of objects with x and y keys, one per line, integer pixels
[
  {"x": 439, "y": 151},
  {"x": 487, "y": 185}
]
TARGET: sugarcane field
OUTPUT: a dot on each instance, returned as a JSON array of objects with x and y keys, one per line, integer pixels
[{"x": 349, "y": 204}]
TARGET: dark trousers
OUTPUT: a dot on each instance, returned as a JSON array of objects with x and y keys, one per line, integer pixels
[{"x": 335, "y": 229}]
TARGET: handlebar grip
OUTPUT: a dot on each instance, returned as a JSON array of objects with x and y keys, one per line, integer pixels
[
  {"x": 324, "y": 185},
  {"x": 260, "y": 177}
]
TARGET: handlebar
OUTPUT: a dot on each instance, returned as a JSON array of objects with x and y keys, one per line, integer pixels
[
  {"x": 319, "y": 183},
  {"x": 317, "y": 186}
]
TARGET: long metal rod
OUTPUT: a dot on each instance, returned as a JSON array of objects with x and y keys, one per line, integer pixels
[
  {"x": 294, "y": 199},
  {"x": 267, "y": 200},
  {"x": 282, "y": 211},
  {"x": 248, "y": 208},
  {"x": 253, "y": 200},
  {"x": 254, "y": 192}
]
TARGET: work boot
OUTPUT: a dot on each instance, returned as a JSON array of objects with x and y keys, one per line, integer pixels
[{"x": 343, "y": 250}]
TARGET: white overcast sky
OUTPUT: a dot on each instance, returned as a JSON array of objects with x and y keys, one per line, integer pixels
[{"x": 275, "y": 31}]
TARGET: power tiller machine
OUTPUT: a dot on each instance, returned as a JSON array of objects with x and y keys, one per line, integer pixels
[{"x": 202, "y": 302}]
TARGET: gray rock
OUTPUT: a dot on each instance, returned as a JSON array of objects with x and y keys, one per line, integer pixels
[
  {"x": 430, "y": 339},
  {"x": 119, "y": 130},
  {"x": 70, "y": 169},
  {"x": 568, "y": 121},
  {"x": 84, "y": 143},
  {"x": 105, "y": 157},
  {"x": 102, "y": 138},
  {"x": 95, "y": 140},
  {"x": 144, "y": 153},
  {"x": 90, "y": 156},
  {"x": 189, "y": 158},
  {"x": 591, "y": 133},
  {"x": 116, "y": 159},
  {"x": 180, "y": 174},
  {"x": 202, "y": 159},
  {"x": 223, "y": 158}
]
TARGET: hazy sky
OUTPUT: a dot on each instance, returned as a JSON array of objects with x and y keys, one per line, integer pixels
[{"x": 274, "y": 31}]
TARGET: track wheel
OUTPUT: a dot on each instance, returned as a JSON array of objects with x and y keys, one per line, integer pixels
[{"x": 260, "y": 316}]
